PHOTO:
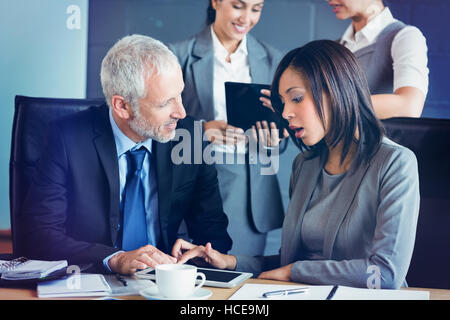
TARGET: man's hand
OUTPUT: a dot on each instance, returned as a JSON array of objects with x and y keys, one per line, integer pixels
[{"x": 148, "y": 256}]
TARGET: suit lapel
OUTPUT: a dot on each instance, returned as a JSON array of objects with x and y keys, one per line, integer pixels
[
  {"x": 203, "y": 70},
  {"x": 106, "y": 149},
  {"x": 164, "y": 173},
  {"x": 346, "y": 195},
  {"x": 259, "y": 68},
  {"x": 301, "y": 195}
]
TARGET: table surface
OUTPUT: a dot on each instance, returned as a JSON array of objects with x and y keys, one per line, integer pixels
[{"x": 218, "y": 293}]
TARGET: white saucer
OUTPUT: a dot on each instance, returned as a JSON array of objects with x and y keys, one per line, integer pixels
[{"x": 152, "y": 293}]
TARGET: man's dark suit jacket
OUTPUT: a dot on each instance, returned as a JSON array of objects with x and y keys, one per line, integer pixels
[{"x": 72, "y": 209}]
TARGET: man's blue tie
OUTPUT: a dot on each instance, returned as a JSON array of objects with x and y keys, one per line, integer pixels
[{"x": 134, "y": 228}]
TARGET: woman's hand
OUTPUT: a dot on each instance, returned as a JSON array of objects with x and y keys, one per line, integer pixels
[
  {"x": 265, "y": 100},
  {"x": 207, "y": 253},
  {"x": 281, "y": 274},
  {"x": 220, "y": 132},
  {"x": 268, "y": 137}
]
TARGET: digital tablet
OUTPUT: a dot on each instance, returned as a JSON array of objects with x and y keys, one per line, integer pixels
[
  {"x": 214, "y": 277},
  {"x": 244, "y": 108}
]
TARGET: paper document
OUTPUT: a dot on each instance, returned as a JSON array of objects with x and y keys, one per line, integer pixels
[
  {"x": 77, "y": 285},
  {"x": 252, "y": 291},
  {"x": 348, "y": 293}
]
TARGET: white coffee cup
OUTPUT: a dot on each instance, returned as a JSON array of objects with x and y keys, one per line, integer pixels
[{"x": 177, "y": 281}]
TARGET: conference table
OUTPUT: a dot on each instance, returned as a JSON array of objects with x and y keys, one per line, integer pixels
[{"x": 217, "y": 293}]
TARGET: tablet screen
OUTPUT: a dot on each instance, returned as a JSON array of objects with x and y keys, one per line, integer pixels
[
  {"x": 214, "y": 275},
  {"x": 244, "y": 108}
]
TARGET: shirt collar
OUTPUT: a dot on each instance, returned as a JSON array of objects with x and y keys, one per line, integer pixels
[
  {"x": 372, "y": 29},
  {"x": 123, "y": 143},
  {"x": 220, "y": 50}
]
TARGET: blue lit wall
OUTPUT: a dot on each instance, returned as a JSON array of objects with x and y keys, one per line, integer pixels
[
  {"x": 285, "y": 24},
  {"x": 41, "y": 56},
  {"x": 44, "y": 54}
]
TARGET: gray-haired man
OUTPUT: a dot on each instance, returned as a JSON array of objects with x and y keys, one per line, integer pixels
[{"x": 106, "y": 190}]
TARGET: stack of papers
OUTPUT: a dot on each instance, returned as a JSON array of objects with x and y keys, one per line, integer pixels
[
  {"x": 77, "y": 285},
  {"x": 256, "y": 291},
  {"x": 32, "y": 269}
]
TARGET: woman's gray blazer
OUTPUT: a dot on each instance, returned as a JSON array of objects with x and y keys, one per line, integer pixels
[
  {"x": 196, "y": 57},
  {"x": 372, "y": 228}
]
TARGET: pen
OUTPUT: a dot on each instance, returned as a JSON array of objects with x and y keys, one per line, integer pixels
[
  {"x": 121, "y": 279},
  {"x": 285, "y": 292},
  {"x": 332, "y": 292}
]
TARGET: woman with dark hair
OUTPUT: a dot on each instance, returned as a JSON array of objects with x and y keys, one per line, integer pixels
[
  {"x": 354, "y": 193},
  {"x": 393, "y": 55},
  {"x": 225, "y": 51}
]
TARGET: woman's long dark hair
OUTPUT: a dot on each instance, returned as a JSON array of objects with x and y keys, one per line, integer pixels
[{"x": 333, "y": 70}]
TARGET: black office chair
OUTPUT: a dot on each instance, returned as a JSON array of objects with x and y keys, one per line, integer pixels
[
  {"x": 31, "y": 118},
  {"x": 429, "y": 139}
]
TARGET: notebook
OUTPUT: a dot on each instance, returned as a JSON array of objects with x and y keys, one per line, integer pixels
[
  {"x": 77, "y": 285},
  {"x": 24, "y": 269}
]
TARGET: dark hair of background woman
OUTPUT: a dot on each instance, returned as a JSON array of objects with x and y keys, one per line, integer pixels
[
  {"x": 210, "y": 14},
  {"x": 331, "y": 69}
]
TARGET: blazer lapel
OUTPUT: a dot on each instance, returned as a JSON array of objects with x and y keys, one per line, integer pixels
[
  {"x": 301, "y": 195},
  {"x": 259, "y": 68},
  {"x": 164, "y": 173},
  {"x": 203, "y": 70},
  {"x": 346, "y": 195},
  {"x": 106, "y": 149}
]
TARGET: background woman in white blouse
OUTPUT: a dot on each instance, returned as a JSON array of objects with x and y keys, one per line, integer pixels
[
  {"x": 225, "y": 51},
  {"x": 393, "y": 55}
]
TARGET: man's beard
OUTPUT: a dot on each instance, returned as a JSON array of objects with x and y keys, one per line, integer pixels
[{"x": 145, "y": 129}]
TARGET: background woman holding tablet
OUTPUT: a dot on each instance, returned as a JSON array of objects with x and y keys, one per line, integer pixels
[{"x": 225, "y": 51}]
